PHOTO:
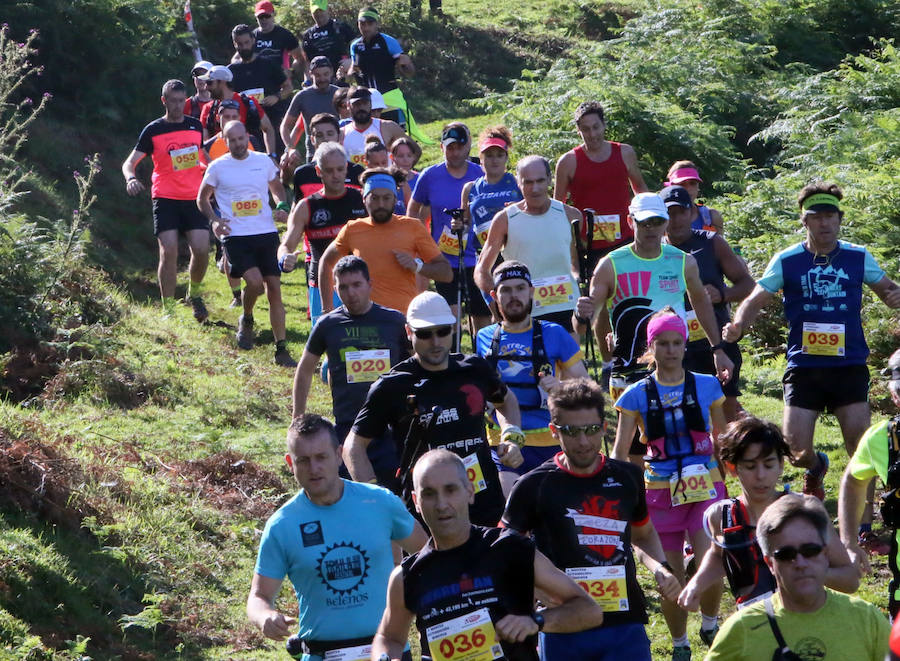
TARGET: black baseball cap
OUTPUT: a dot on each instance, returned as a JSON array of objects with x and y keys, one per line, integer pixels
[
  {"x": 676, "y": 195},
  {"x": 454, "y": 134}
]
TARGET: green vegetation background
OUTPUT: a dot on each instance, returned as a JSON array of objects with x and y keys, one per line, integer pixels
[{"x": 141, "y": 456}]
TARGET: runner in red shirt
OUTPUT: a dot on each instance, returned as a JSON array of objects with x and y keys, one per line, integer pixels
[
  {"x": 596, "y": 175},
  {"x": 174, "y": 143}
]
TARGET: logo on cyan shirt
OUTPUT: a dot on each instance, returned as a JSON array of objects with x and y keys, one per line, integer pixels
[{"x": 343, "y": 567}]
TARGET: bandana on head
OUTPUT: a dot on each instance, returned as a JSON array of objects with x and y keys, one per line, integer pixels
[
  {"x": 510, "y": 273},
  {"x": 669, "y": 322}
]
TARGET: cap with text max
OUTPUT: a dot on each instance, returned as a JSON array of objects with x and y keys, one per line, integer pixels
[{"x": 429, "y": 309}]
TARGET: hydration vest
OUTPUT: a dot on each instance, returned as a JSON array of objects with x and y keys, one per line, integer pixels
[
  {"x": 659, "y": 445},
  {"x": 252, "y": 124},
  {"x": 741, "y": 554},
  {"x": 538, "y": 360},
  {"x": 890, "y": 500}
]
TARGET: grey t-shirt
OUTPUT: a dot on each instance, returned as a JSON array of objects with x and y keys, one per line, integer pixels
[{"x": 310, "y": 102}]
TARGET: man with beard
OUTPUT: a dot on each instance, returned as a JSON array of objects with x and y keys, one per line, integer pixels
[
  {"x": 319, "y": 218},
  {"x": 241, "y": 181},
  {"x": 587, "y": 513},
  {"x": 309, "y": 102},
  {"x": 396, "y": 248},
  {"x": 639, "y": 279},
  {"x": 461, "y": 385},
  {"x": 260, "y": 78},
  {"x": 174, "y": 142},
  {"x": 218, "y": 82},
  {"x": 532, "y": 357},
  {"x": 364, "y": 124}
]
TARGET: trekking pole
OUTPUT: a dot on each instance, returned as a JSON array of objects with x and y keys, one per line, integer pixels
[
  {"x": 582, "y": 250},
  {"x": 461, "y": 283},
  {"x": 415, "y": 436}
]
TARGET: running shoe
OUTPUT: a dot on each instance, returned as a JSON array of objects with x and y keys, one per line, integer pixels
[
  {"x": 873, "y": 544},
  {"x": 681, "y": 653},
  {"x": 284, "y": 359},
  {"x": 200, "y": 312},
  {"x": 814, "y": 483},
  {"x": 236, "y": 302},
  {"x": 709, "y": 635},
  {"x": 245, "y": 333}
]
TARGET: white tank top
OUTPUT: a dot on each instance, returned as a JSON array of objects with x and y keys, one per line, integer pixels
[
  {"x": 355, "y": 140},
  {"x": 544, "y": 244}
]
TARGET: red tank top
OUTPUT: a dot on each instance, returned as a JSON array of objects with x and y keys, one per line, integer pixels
[{"x": 603, "y": 187}]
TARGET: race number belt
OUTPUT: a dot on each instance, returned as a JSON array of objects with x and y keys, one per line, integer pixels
[
  {"x": 244, "y": 208},
  {"x": 366, "y": 366},
  {"x": 823, "y": 339},
  {"x": 694, "y": 485},
  {"x": 695, "y": 330},
  {"x": 481, "y": 231},
  {"x": 469, "y": 637},
  {"x": 605, "y": 585},
  {"x": 555, "y": 290},
  {"x": 257, "y": 94},
  {"x": 449, "y": 243},
  {"x": 474, "y": 472},
  {"x": 359, "y": 653},
  {"x": 607, "y": 227},
  {"x": 185, "y": 158}
]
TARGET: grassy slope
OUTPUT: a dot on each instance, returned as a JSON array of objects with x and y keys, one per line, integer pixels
[{"x": 159, "y": 524}]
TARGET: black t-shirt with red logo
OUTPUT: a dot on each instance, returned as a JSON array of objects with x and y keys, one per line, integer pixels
[
  {"x": 584, "y": 521},
  {"x": 461, "y": 391},
  {"x": 327, "y": 215},
  {"x": 493, "y": 570}
]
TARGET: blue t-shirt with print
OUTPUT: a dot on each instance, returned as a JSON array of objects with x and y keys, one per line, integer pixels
[
  {"x": 338, "y": 558},
  {"x": 440, "y": 190},
  {"x": 634, "y": 402},
  {"x": 561, "y": 349},
  {"x": 824, "y": 294}
]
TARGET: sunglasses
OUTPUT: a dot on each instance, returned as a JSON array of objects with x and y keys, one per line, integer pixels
[
  {"x": 264, "y": 16},
  {"x": 428, "y": 333},
  {"x": 652, "y": 222},
  {"x": 574, "y": 430},
  {"x": 789, "y": 553}
]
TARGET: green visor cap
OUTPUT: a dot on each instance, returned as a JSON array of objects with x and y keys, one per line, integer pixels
[
  {"x": 368, "y": 14},
  {"x": 821, "y": 200},
  {"x": 318, "y": 4}
]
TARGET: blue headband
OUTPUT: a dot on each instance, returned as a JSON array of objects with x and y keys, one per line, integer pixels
[{"x": 379, "y": 181}]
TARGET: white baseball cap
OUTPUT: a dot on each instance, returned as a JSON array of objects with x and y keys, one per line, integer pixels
[
  {"x": 645, "y": 206},
  {"x": 429, "y": 309}
]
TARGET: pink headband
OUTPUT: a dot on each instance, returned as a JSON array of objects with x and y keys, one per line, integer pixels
[
  {"x": 493, "y": 142},
  {"x": 669, "y": 322}
]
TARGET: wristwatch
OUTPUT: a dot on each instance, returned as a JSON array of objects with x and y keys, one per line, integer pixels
[
  {"x": 716, "y": 347},
  {"x": 419, "y": 264},
  {"x": 538, "y": 620}
]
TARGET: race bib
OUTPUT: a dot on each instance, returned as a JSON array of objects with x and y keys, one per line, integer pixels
[
  {"x": 448, "y": 243},
  {"x": 605, "y": 585},
  {"x": 465, "y": 638},
  {"x": 481, "y": 231},
  {"x": 474, "y": 472},
  {"x": 257, "y": 94},
  {"x": 823, "y": 339},
  {"x": 359, "y": 159},
  {"x": 695, "y": 330},
  {"x": 555, "y": 290},
  {"x": 361, "y": 653},
  {"x": 244, "y": 208},
  {"x": 366, "y": 366},
  {"x": 695, "y": 485},
  {"x": 186, "y": 158},
  {"x": 607, "y": 227},
  {"x": 617, "y": 385}
]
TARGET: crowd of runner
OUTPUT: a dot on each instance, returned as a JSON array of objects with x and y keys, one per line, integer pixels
[{"x": 478, "y": 495}]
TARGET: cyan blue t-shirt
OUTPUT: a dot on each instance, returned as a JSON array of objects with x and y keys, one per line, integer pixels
[
  {"x": 338, "y": 558},
  {"x": 561, "y": 349},
  {"x": 633, "y": 402},
  {"x": 824, "y": 293},
  {"x": 440, "y": 190}
]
